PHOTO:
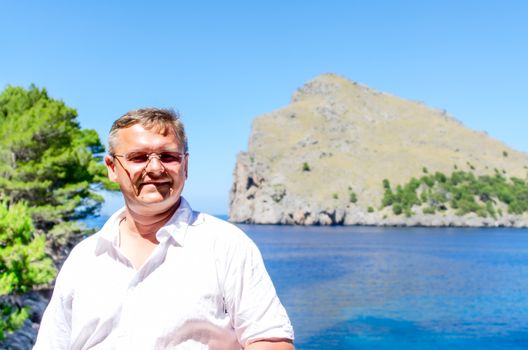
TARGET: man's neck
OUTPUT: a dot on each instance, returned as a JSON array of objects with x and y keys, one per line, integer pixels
[{"x": 147, "y": 225}]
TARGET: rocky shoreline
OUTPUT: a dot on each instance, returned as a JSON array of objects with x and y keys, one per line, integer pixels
[{"x": 358, "y": 217}]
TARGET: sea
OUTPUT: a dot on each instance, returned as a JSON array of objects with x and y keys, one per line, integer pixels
[{"x": 353, "y": 287}]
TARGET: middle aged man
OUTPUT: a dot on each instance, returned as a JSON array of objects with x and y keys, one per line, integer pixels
[{"x": 159, "y": 275}]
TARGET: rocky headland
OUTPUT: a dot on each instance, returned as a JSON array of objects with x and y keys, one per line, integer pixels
[{"x": 342, "y": 153}]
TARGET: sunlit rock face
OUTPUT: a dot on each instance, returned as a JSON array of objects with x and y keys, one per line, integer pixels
[{"x": 321, "y": 160}]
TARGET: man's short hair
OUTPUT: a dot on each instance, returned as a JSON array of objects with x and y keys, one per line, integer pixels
[{"x": 162, "y": 121}]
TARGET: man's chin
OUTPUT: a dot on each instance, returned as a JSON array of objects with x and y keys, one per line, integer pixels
[
  {"x": 153, "y": 205},
  {"x": 155, "y": 198}
]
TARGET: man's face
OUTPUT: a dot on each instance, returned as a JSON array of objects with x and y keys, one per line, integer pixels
[{"x": 152, "y": 186}]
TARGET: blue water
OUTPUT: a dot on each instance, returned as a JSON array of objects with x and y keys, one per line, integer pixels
[{"x": 400, "y": 288}]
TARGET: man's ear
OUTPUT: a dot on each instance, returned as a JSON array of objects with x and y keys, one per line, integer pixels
[{"x": 111, "y": 167}]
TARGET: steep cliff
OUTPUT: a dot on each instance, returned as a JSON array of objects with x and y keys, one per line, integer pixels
[{"x": 323, "y": 158}]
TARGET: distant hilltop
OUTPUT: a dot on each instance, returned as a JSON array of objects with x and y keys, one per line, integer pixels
[{"x": 343, "y": 153}]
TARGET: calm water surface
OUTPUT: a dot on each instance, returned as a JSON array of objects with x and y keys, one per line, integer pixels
[{"x": 400, "y": 288}]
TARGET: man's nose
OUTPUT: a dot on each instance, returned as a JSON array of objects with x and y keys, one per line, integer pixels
[{"x": 154, "y": 164}]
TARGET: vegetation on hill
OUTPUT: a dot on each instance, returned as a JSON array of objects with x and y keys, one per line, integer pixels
[
  {"x": 47, "y": 176},
  {"x": 485, "y": 195}
]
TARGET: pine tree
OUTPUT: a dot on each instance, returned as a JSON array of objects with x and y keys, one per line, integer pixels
[{"x": 47, "y": 176}]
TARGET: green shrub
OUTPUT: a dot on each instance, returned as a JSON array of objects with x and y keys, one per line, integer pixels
[
  {"x": 491, "y": 210},
  {"x": 429, "y": 181},
  {"x": 429, "y": 210},
  {"x": 388, "y": 196},
  {"x": 462, "y": 191},
  {"x": 23, "y": 262},
  {"x": 440, "y": 177},
  {"x": 482, "y": 212}
]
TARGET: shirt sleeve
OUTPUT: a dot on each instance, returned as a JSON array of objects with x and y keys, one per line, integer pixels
[
  {"x": 251, "y": 299},
  {"x": 55, "y": 327}
]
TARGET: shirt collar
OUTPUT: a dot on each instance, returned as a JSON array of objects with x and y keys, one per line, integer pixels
[{"x": 176, "y": 227}]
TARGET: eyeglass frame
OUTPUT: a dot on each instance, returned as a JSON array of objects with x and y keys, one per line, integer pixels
[{"x": 150, "y": 155}]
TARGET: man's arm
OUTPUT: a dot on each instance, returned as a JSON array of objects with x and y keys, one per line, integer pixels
[
  {"x": 259, "y": 319},
  {"x": 271, "y": 344}
]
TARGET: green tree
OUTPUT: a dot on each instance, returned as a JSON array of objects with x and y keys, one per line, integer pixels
[
  {"x": 48, "y": 173},
  {"x": 23, "y": 263},
  {"x": 388, "y": 195}
]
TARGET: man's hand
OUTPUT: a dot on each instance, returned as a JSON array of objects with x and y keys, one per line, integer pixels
[{"x": 271, "y": 344}]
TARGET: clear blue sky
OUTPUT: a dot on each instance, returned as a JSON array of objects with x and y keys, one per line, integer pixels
[{"x": 223, "y": 63}]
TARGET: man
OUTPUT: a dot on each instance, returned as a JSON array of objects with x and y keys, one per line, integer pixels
[{"x": 159, "y": 275}]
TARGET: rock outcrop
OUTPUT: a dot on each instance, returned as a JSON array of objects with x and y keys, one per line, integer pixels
[
  {"x": 25, "y": 337},
  {"x": 322, "y": 159}
]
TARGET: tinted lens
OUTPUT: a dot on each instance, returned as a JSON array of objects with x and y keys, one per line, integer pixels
[
  {"x": 137, "y": 157},
  {"x": 170, "y": 157}
]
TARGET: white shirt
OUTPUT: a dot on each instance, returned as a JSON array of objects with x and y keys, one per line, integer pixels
[{"x": 203, "y": 287}]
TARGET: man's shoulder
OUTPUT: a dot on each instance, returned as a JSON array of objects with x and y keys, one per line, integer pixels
[
  {"x": 86, "y": 246},
  {"x": 214, "y": 224},
  {"x": 100, "y": 239},
  {"x": 217, "y": 228},
  {"x": 78, "y": 259}
]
